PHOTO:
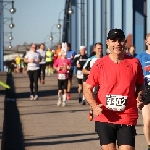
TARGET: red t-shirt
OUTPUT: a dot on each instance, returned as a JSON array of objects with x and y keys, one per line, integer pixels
[{"x": 117, "y": 79}]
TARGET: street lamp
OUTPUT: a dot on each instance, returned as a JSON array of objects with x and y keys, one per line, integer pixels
[
  {"x": 10, "y": 36},
  {"x": 51, "y": 35},
  {"x": 9, "y": 46},
  {"x": 12, "y": 10},
  {"x": 70, "y": 11},
  {"x": 59, "y": 25},
  {"x": 11, "y": 25}
]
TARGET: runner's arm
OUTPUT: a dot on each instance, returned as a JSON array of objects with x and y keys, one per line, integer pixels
[
  {"x": 88, "y": 93},
  {"x": 92, "y": 81},
  {"x": 86, "y": 67},
  {"x": 140, "y": 88},
  {"x": 74, "y": 62}
]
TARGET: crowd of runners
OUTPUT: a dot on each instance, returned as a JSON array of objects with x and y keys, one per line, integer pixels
[{"x": 114, "y": 86}]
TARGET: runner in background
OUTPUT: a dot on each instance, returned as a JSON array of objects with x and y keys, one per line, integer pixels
[
  {"x": 144, "y": 58},
  {"x": 58, "y": 51},
  {"x": 42, "y": 63},
  {"x": 70, "y": 55},
  {"x": 62, "y": 65},
  {"x": 33, "y": 58},
  {"x": 49, "y": 61},
  {"x": 18, "y": 60},
  {"x": 98, "y": 49},
  {"x": 79, "y": 61}
]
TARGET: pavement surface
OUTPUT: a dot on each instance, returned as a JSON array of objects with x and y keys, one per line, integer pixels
[{"x": 42, "y": 125}]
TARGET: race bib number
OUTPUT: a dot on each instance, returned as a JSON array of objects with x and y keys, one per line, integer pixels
[
  {"x": 79, "y": 74},
  {"x": 116, "y": 102},
  {"x": 61, "y": 76}
]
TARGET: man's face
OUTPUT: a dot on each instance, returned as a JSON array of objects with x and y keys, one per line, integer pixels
[
  {"x": 59, "y": 46},
  {"x": 132, "y": 50},
  {"x": 42, "y": 46},
  {"x": 82, "y": 51},
  {"x": 68, "y": 48},
  {"x": 98, "y": 49},
  {"x": 147, "y": 42},
  {"x": 116, "y": 46},
  {"x": 33, "y": 47}
]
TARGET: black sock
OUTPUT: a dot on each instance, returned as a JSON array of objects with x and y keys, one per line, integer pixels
[{"x": 148, "y": 147}]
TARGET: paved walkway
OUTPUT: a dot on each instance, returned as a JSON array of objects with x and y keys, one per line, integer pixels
[{"x": 46, "y": 126}]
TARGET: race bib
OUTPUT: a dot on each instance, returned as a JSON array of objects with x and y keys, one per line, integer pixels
[
  {"x": 147, "y": 79},
  {"x": 62, "y": 76},
  {"x": 116, "y": 102},
  {"x": 79, "y": 74}
]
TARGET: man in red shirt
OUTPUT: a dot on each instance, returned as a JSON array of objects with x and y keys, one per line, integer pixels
[{"x": 116, "y": 105}]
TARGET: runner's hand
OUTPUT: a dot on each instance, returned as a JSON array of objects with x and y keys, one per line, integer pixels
[
  {"x": 78, "y": 66},
  {"x": 140, "y": 104},
  {"x": 97, "y": 110},
  {"x": 68, "y": 67},
  {"x": 31, "y": 60},
  {"x": 58, "y": 68}
]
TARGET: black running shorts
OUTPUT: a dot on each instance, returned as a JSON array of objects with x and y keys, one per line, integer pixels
[
  {"x": 49, "y": 63},
  {"x": 80, "y": 81},
  {"x": 62, "y": 84},
  {"x": 70, "y": 73},
  {"x": 146, "y": 100},
  {"x": 110, "y": 133}
]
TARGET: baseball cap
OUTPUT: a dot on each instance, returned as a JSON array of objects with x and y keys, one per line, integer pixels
[{"x": 115, "y": 33}]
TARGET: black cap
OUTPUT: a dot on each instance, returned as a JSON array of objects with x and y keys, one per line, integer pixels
[{"x": 115, "y": 33}]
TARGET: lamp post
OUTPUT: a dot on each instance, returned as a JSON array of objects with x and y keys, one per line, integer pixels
[
  {"x": 51, "y": 34},
  {"x": 59, "y": 25},
  {"x": 9, "y": 46},
  {"x": 12, "y": 10}
]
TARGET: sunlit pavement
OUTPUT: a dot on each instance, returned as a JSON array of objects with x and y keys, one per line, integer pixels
[{"x": 46, "y": 126}]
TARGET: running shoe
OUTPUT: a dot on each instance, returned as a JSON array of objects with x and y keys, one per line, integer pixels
[
  {"x": 59, "y": 103},
  {"x": 90, "y": 115},
  {"x": 80, "y": 99},
  {"x": 68, "y": 96},
  {"x": 83, "y": 102},
  {"x": 31, "y": 97},
  {"x": 36, "y": 97},
  {"x": 64, "y": 104},
  {"x": 43, "y": 82}
]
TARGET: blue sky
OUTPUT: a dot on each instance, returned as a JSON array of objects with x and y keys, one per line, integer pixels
[{"x": 33, "y": 20}]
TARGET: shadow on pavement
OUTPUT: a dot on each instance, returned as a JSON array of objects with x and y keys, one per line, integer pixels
[
  {"x": 12, "y": 138},
  {"x": 29, "y": 142},
  {"x": 63, "y": 111},
  {"x": 42, "y": 93}
]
